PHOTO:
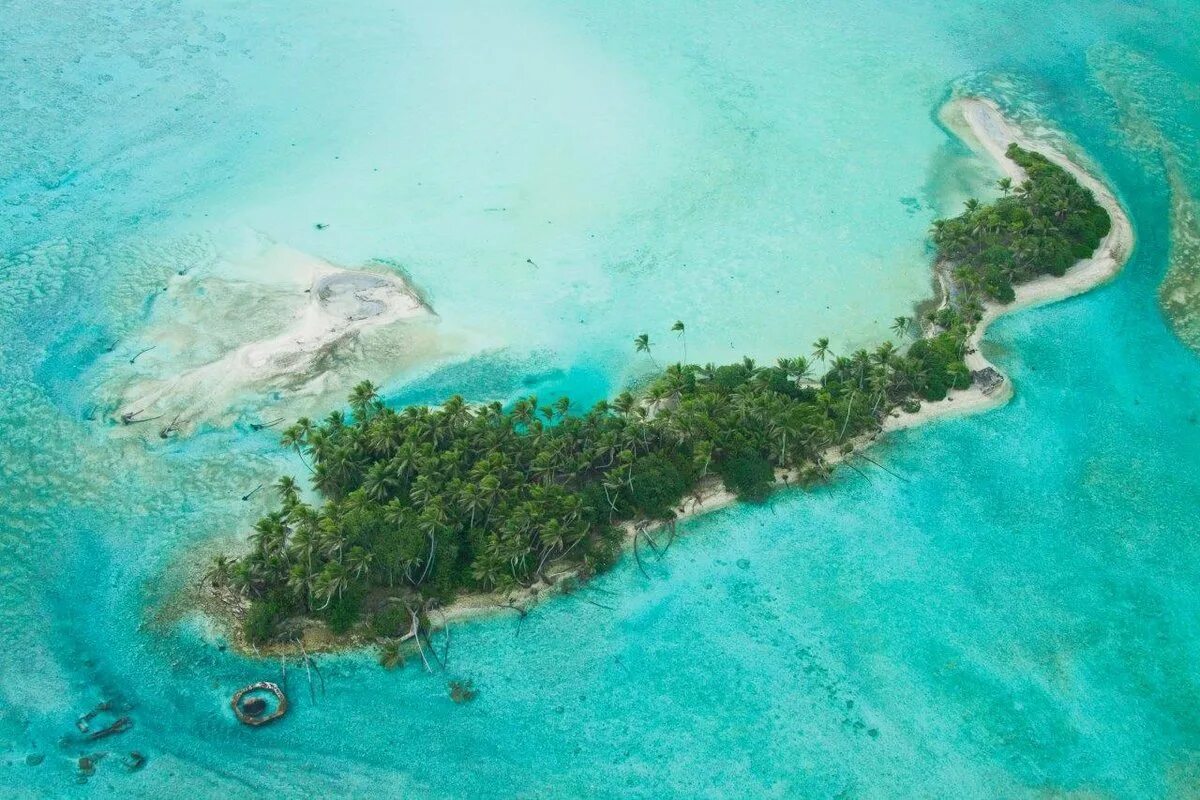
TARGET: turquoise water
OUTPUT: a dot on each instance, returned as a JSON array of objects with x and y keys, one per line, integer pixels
[{"x": 1017, "y": 619}]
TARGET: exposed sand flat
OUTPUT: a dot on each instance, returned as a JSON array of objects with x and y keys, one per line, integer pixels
[{"x": 335, "y": 306}]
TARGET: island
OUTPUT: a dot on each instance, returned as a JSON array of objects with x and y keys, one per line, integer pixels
[{"x": 427, "y": 513}]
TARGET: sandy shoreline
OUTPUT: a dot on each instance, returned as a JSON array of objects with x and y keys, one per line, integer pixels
[
  {"x": 983, "y": 127},
  {"x": 980, "y": 124}
]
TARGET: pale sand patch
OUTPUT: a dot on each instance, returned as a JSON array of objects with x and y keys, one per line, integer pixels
[{"x": 333, "y": 307}]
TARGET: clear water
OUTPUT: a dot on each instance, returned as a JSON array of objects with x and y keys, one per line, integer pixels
[{"x": 1017, "y": 619}]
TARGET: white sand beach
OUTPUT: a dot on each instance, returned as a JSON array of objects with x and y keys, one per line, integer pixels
[{"x": 981, "y": 125}]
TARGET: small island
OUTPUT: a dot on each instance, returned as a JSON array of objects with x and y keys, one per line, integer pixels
[{"x": 423, "y": 506}]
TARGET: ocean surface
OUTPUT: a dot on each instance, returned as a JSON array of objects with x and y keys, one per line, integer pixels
[{"x": 1017, "y": 615}]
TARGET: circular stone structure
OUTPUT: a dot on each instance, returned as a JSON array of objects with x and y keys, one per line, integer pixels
[{"x": 248, "y": 716}]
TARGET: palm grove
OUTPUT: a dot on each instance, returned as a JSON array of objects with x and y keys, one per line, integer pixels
[{"x": 421, "y": 504}]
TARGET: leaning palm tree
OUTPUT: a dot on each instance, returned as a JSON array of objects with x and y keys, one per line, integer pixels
[
  {"x": 296, "y": 436},
  {"x": 641, "y": 344},
  {"x": 900, "y": 325},
  {"x": 681, "y": 329},
  {"x": 332, "y": 582}
]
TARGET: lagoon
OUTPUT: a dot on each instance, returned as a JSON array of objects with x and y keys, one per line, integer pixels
[{"x": 1017, "y": 619}]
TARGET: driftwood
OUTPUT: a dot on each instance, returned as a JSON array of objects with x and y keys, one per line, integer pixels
[
  {"x": 650, "y": 540},
  {"x": 320, "y": 677},
  {"x": 859, "y": 471},
  {"x": 128, "y": 417},
  {"x": 261, "y": 686},
  {"x": 671, "y": 538},
  {"x": 637, "y": 555},
  {"x": 84, "y": 719},
  {"x": 312, "y": 692},
  {"x": 446, "y": 645},
  {"x": 140, "y": 353},
  {"x": 309, "y": 666},
  {"x": 121, "y": 725},
  {"x": 885, "y": 469},
  {"x": 988, "y": 378},
  {"x": 167, "y": 431},
  {"x": 521, "y": 612},
  {"x": 414, "y": 633}
]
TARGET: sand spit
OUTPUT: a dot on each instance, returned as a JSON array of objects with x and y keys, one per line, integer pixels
[
  {"x": 981, "y": 125},
  {"x": 331, "y": 308}
]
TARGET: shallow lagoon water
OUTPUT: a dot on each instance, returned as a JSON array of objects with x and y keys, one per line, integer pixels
[{"x": 1017, "y": 619}]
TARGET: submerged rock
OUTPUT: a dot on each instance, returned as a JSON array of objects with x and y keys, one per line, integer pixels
[
  {"x": 33, "y": 759},
  {"x": 988, "y": 379},
  {"x": 254, "y": 707}
]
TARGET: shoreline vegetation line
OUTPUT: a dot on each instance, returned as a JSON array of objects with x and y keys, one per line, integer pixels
[{"x": 431, "y": 515}]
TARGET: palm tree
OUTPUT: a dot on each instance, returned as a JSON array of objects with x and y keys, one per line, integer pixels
[
  {"x": 821, "y": 349},
  {"x": 680, "y": 329},
  {"x": 219, "y": 571},
  {"x": 624, "y": 403},
  {"x": 289, "y": 491},
  {"x": 796, "y": 369},
  {"x": 1005, "y": 185},
  {"x": 900, "y": 325},
  {"x": 473, "y": 499},
  {"x": 300, "y": 581},
  {"x": 641, "y": 344},
  {"x": 524, "y": 410},
  {"x": 358, "y": 561},
  {"x": 380, "y": 482},
  {"x": 333, "y": 581},
  {"x": 363, "y": 399},
  {"x": 296, "y": 436}
]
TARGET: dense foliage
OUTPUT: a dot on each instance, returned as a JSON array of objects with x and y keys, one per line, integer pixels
[
  {"x": 1041, "y": 227},
  {"x": 432, "y": 501},
  {"x": 422, "y": 503}
]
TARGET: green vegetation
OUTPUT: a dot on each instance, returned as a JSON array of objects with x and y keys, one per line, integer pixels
[
  {"x": 434, "y": 501},
  {"x": 1042, "y": 227},
  {"x": 421, "y": 504}
]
